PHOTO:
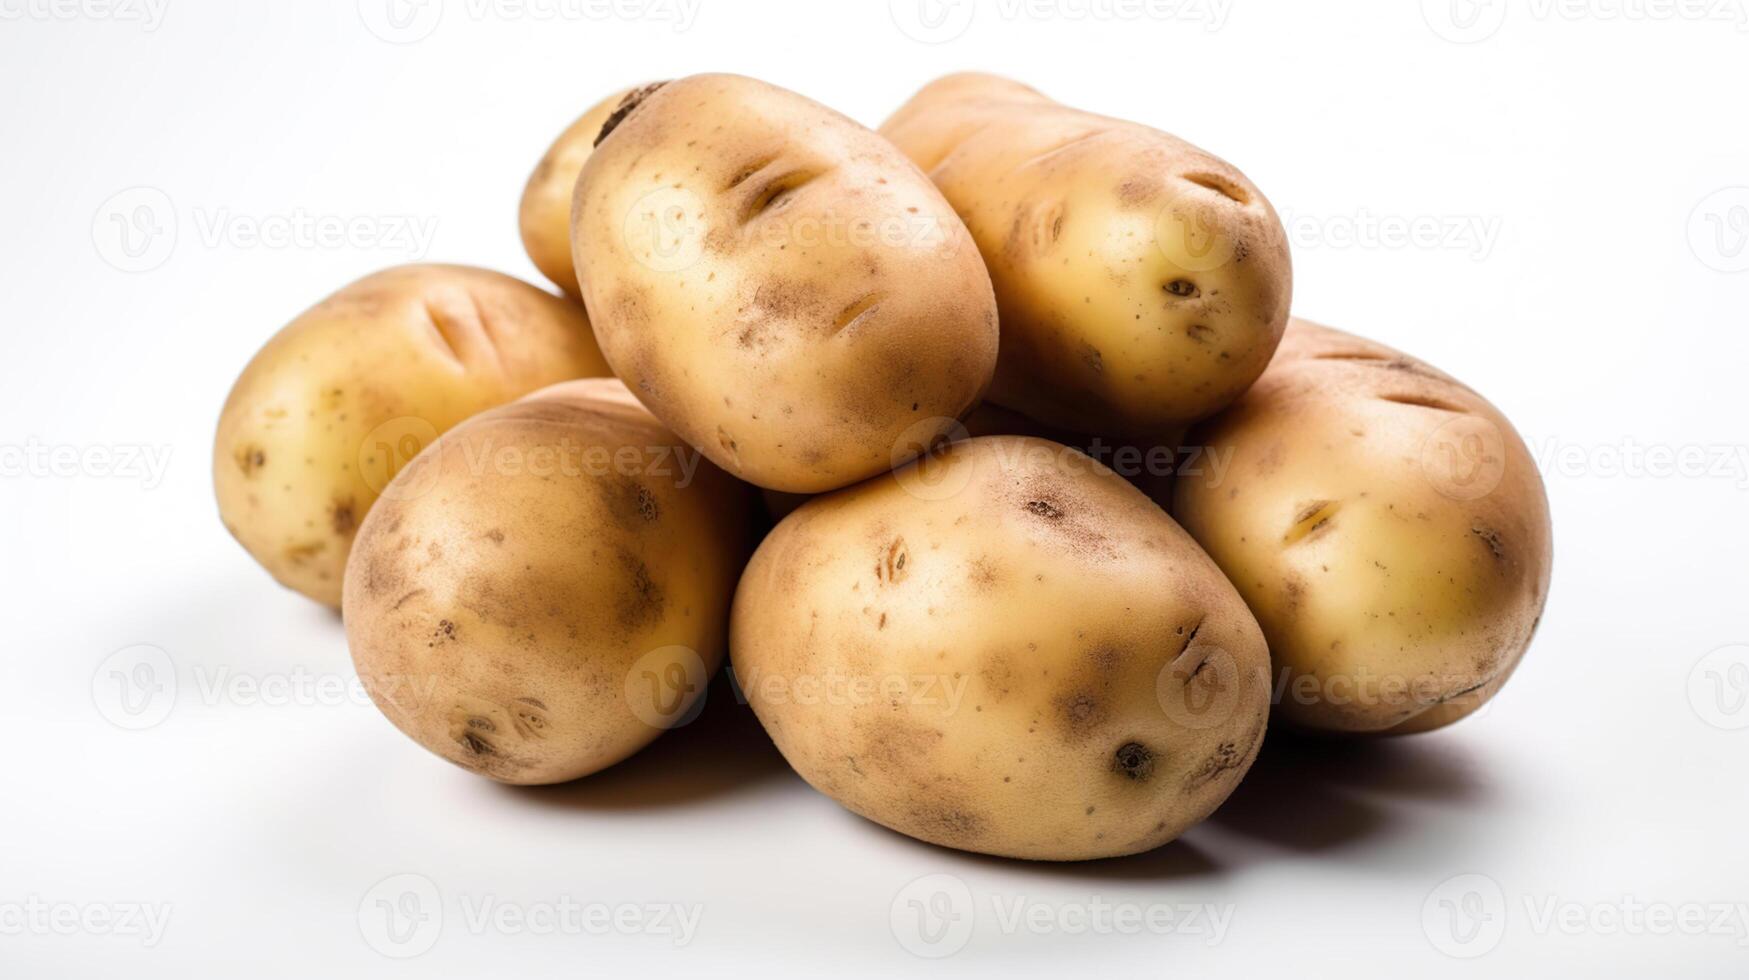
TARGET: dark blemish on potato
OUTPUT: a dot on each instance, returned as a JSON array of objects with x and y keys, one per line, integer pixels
[
  {"x": 475, "y": 744},
  {"x": 297, "y": 554},
  {"x": 1226, "y": 758},
  {"x": 648, "y": 509},
  {"x": 626, "y": 107},
  {"x": 1091, "y": 357},
  {"x": 1081, "y": 710},
  {"x": 1133, "y": 759},
  {"x": 403, "y": 600},
  {"x": 891, "y": 566},
  {"x": 948, "y": 824},
  {"x": 642, "y": 602},
  {"x": 445, "y": 631},
  {"x": 342, "y": 517},
  {"x": 496, "y": 536},
  {"x": 1044, "y": 509},
  {"x": 1138, "y": 190},
  {"x": 854, "y": 315},
  {"x": 1220, "y": 185},
  {"x": 1200, "y": 332},
  {"x": 1423, "y": 401},
  {"x": 1491, "y": 538},
  {"x": 1311, "y": 520},
  {"x": 250, "y": 459},
  {"x": 1182, "y": 288}
]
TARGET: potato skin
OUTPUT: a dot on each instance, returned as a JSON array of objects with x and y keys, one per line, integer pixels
[
  {"x": 778, "y": 284},
  {"x": 544, "y": 216},
  {"x": 355, "y": 386},
  {"x": 1143, "y": 283},
  {"x": 1388, "y": 527},
  {"x": 1112, "y": 686},
  {"x": 508, "y": 613}
]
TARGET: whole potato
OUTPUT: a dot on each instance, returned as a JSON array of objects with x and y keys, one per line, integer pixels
[
  {"x": 1004, "y": 648},
  {"x": 545, "y": 213},
  {"x": 550, "y": 588},
  {"x": 354, "y": 387},
  {"x": 1386, "y": 524},
  {"x": 778, "y": 284},
  {"x": 1143, "y": 283}
]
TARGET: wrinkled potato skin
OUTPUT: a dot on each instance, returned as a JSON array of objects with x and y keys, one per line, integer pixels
[
  {"x": 817, "y": 304},
  {"x": 299, "y": 459},
  {"x": 1088, "y": 224},
  {"x": 1070, "y": 608},
  {"x": 545, "y": 213},
  {"x": 497, "y": 614},
  {"x": 1399, "y": 586}
]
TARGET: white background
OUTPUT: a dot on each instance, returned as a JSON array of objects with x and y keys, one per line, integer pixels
[{"x": 1574, "y": 167}]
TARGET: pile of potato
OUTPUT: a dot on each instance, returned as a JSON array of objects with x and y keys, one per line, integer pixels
[{"x": 959, "y": 627}]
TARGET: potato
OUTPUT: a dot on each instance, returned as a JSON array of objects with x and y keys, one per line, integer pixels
[
  {"x": 778, "y": 284},
  {"x": 354, "y": 387},
  {"x": 1003, "y": 648},
  {"x": 1386, "y": 524},
  {"x": 1143, "y": 283},
  {"x": 545, "y": 212},
  {"x": 550, "y": 588}
]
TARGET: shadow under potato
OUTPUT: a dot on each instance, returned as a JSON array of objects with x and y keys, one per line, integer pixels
[
  {"x": 1308, "y": 793},
  {"x": 721, "y": 751}
]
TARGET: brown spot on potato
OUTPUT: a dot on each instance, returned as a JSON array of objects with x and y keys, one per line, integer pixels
[
  {"x": 1491, "y": 538},
  {"x": 250, "y": 459},
  {"x": 1044, "y": 509},
  {"x": 1134, "y": 760},
  {"x": 343, "y": 517},
  {"x": 893, "y": 564},
  {"x": 641, "y": 603}
]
